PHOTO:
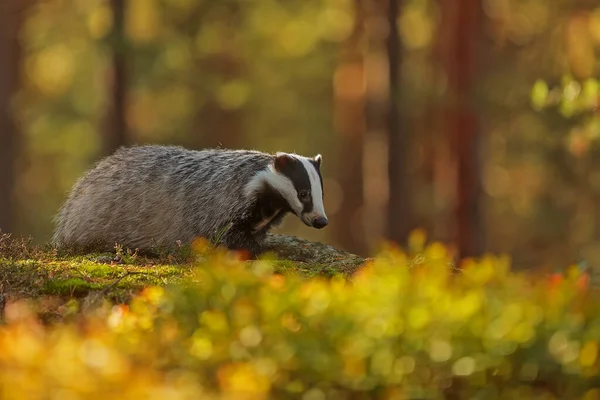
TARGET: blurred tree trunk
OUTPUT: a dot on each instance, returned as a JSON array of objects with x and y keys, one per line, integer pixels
[
  {"x": 350, "y": 124},
  {"x": 115, "y": 134},
  {"x": 11, "y": 19},
  {"x": 399, "y": 207},
  {"x": 220, "y": 121},
  {"x": 461, "y": 30},
  {"x": 216, "y": 125}
]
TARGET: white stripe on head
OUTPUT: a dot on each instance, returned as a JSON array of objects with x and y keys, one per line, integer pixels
[
  {"x": 315, "y": 187},
  {"x": 279, "y": 182}
]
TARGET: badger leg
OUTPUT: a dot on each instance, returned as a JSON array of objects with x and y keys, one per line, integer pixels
[{"x": 242, "y": 241}]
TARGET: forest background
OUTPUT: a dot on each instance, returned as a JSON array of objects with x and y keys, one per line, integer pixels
[{"x": 476, "y": 121}]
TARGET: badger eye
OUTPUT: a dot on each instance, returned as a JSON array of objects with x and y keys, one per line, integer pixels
[{"x": 303, "y": 194}]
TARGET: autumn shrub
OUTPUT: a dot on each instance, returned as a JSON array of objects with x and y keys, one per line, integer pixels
[{"x": 405, "y": 326}]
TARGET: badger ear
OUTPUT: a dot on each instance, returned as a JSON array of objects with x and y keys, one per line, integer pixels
[
  {"x": 281, "y": 160},
  {"x": 319, "y": 159}
]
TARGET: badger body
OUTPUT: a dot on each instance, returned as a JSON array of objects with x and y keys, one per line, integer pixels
[{"x": 152, "y": 196}]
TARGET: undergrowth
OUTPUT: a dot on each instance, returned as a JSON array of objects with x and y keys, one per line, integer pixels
[{"x": 408, "y": 325}]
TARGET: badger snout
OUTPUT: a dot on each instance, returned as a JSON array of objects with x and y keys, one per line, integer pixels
[
  {"x": 314, "y": 221},
  {"x": 320, "y": 222}
]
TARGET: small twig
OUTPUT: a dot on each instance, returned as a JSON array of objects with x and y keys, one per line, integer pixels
[
  {"x": 2, "y": 306},
  {"x": 95, "y": 296},
  {"x": 115, "y": 283}
]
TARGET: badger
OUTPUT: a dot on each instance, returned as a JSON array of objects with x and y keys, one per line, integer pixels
[{"x": 152, "y": 196}]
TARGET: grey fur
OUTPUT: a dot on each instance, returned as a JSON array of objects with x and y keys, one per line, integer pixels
[{"x": 153, "y": 196}]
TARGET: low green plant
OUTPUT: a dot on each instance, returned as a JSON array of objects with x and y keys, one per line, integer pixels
[{"x": 405, "y": 326}]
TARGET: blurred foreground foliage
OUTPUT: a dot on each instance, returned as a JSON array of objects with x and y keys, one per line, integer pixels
[{"x": 405, "y": 326}]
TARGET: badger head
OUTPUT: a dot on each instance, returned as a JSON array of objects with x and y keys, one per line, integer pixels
[{"x": 298, "y": 182}]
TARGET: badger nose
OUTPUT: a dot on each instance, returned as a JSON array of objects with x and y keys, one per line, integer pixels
[{"x": 320, "y": 222}]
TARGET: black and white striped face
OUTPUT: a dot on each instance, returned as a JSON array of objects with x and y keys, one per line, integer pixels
[{"x": 298, "y": 180}]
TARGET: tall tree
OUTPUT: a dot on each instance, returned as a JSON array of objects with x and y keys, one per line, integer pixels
[
  {"x": 398, "y": 140},
  {"x": 350, "y": 121},
  {"x": 217, "y": 123},
  {"x": 11, "y": 18},
  {"x": 214, "y": 124},
  {"x": 115, "y": 135},
  {"x": 461, "y": 30}
]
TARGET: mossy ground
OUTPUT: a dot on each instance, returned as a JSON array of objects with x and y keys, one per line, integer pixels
[{"x": 52, "y": 280}]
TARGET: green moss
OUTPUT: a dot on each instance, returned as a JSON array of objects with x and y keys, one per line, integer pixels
[
  {"x": 305, "y": 269},
  {"x": 98, "y": 270},
  {"x": 77, "y": 276},
  {"x": 36, "y": 273},
  {"x": 74, "y": 287}
]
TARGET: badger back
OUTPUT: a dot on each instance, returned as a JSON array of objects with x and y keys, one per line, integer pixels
[{"x": 148, "y": 196}]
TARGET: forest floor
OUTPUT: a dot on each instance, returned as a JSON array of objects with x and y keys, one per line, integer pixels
[{"x": 53, "y": 283}]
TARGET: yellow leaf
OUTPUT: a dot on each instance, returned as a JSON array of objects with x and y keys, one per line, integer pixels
[
  {"x": 143, "y": 20},
  {"x": 416, "y": 240},
  {"x": 588, "y": 354}
]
